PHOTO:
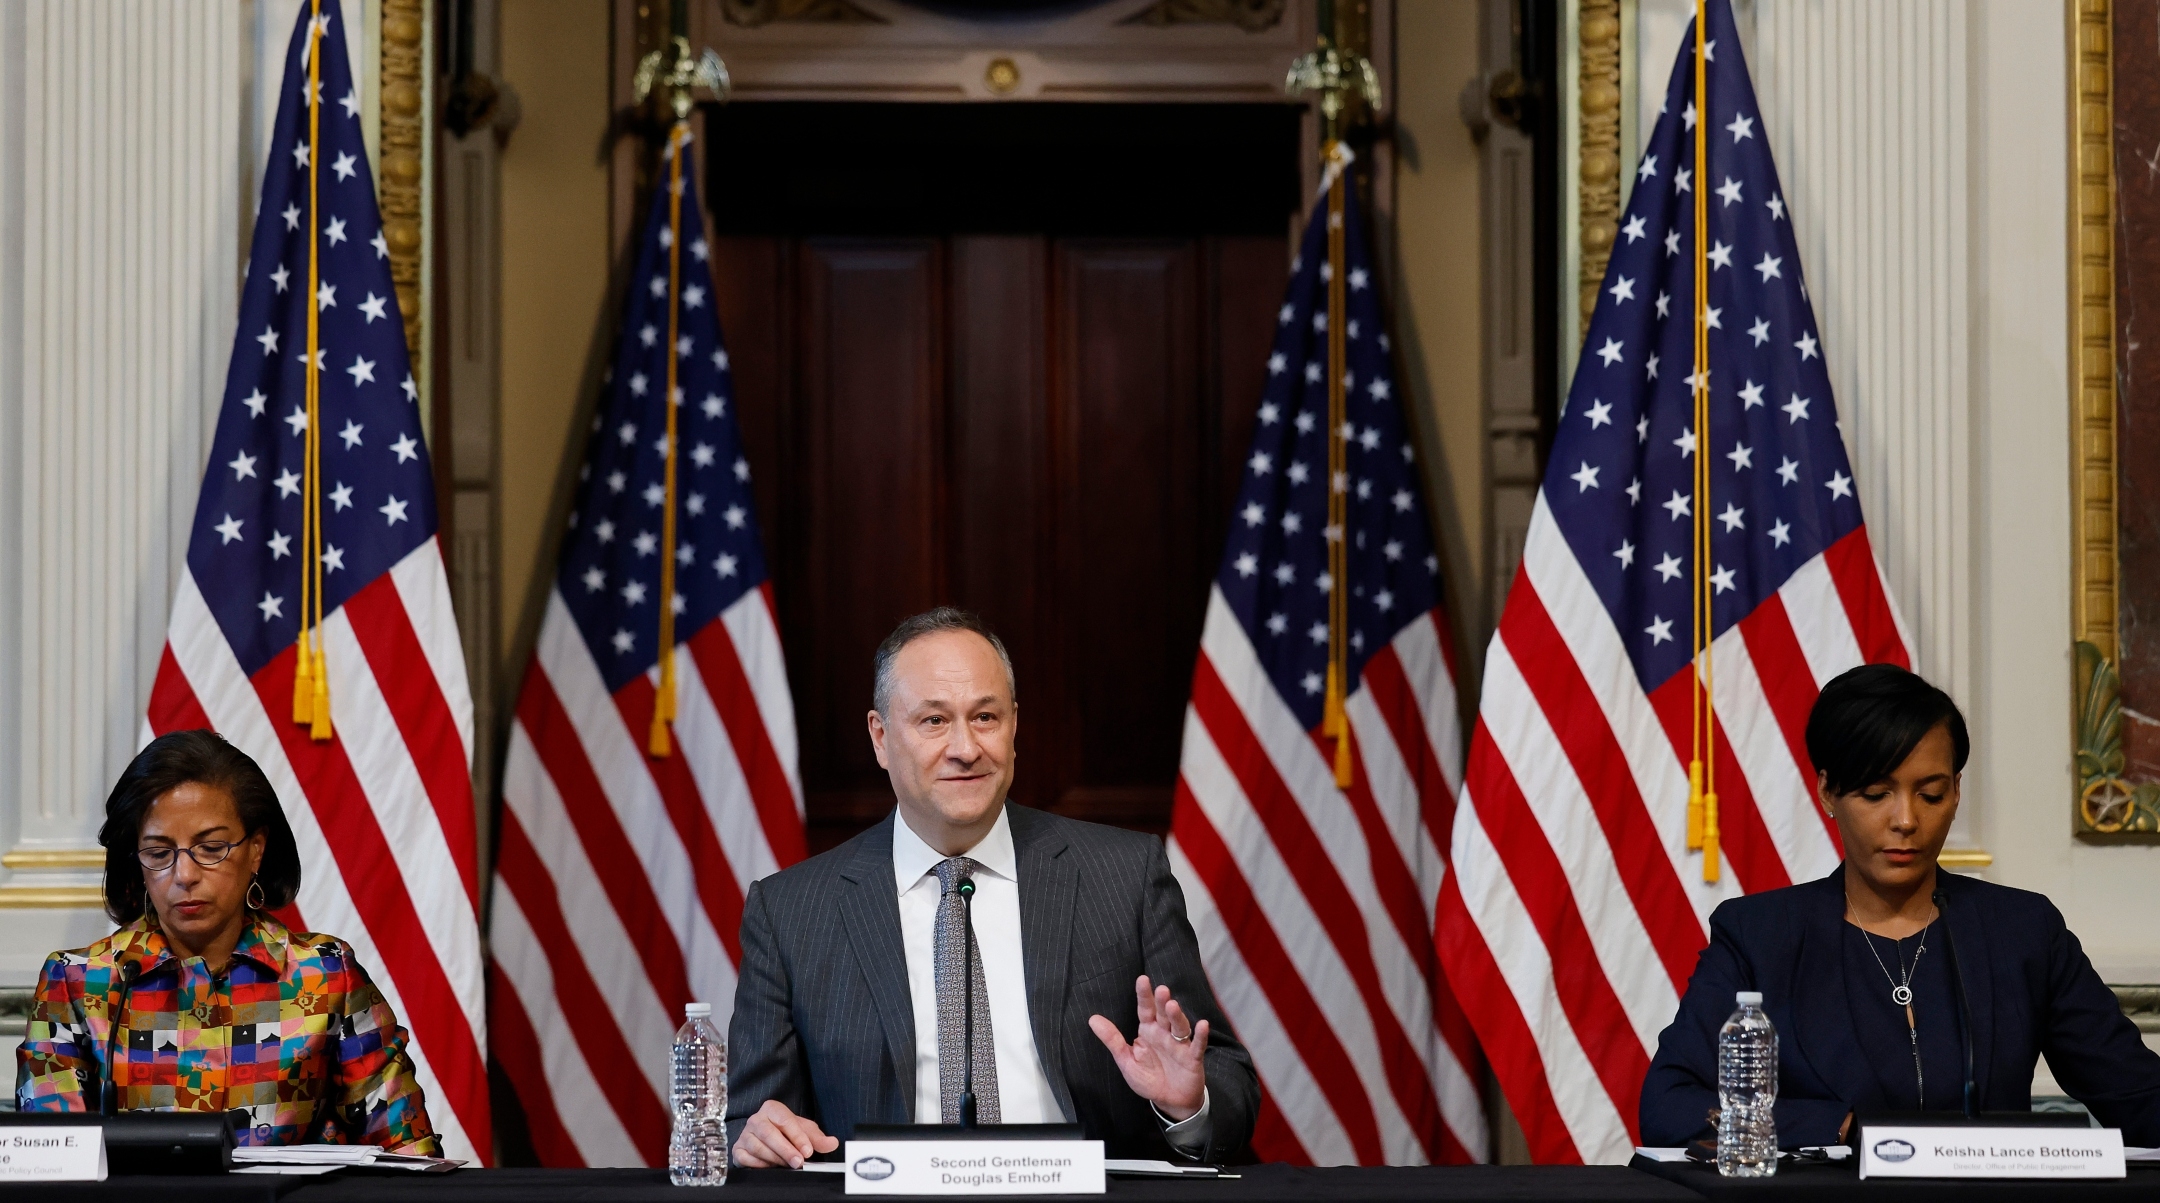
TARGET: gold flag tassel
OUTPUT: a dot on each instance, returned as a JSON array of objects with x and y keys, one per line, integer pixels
[
  {"x": 1335, "y": 75},
  {"x": 658, "y": 741},
  {"x": 311, "y": 673},
  {"x": 1334, "y": 723},
  {"x": 675, "y": 68},
  {"x": 1702, "y": 770}
]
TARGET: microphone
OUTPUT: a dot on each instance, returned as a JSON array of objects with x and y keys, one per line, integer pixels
[
  {"x": 1957, "y": 983},
  {"x": 966, "y": 890},
  {"x": 108, "y": 1104}
]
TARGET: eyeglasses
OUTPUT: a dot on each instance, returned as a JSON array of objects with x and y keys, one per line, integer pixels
[{"x": 206, "y": 854}]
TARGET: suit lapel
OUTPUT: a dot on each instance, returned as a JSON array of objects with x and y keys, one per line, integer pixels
[
  {"x": 1975, "y": 969},
  {"x": 1047, "y": 879},
  {"x": 1822, "y": 1010},
  {"x": 871, "y": 909}
]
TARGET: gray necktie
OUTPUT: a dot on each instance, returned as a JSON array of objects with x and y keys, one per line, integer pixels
[{"x": 952, "y": 941}]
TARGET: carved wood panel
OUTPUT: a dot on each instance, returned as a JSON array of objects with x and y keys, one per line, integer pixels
[
  {"x": 1043, "y": 430},
  {"x": 1131, "y": 584},
  {"x": 864, "y": 528}
]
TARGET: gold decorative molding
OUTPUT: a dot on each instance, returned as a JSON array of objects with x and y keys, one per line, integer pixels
[
  {"x": 1598, "y": 192},
  {"x": 1252, "y": 16},
  {"x": 2107, "y": 805},
  {"x": 53, "y": 858},
  {"x": 752, "y": 13},
  {"x": 2141, "y": 1004},
  {"x": 403, "y": 127},
  {"x": 52, "y": 898},
  {"x": 1960, "y": 860},
  {"x": 2093, "y": 327}
]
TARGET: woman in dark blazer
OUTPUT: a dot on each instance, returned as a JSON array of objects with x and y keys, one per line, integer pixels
[{"x": 1861, "y": 971}]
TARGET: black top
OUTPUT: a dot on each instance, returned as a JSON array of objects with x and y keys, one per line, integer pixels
[
  {"x": 1881, "y": 1025},
  {"x": 1841, "y": 1048}
]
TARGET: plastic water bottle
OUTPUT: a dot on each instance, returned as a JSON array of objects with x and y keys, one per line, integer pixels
[
  {"x": 697, "y": 1086},
  {"x": 1747, "y": 1091}
]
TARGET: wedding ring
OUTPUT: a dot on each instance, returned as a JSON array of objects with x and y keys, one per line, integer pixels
[{"x": 1184, "y": 1039}]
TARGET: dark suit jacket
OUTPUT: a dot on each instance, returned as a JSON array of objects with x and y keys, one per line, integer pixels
[
  {"x": 2030, "y": 989},
  {"x": 824, "y": 1022}
]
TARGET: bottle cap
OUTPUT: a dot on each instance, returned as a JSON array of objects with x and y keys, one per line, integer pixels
[
  {"x": 704, "y": 1010},
  {"x": 1746, "y": 998}
]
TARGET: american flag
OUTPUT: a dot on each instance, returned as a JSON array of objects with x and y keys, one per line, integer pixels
[
  {"x": 620, "y": 875},
  {"x": 1314, "y": 903},
  {"x": 1574, "y": 909},
  {"x": 382, "y": 808}
]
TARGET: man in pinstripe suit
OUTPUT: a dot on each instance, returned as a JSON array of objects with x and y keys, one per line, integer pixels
[{"x": 862, "y": 998}]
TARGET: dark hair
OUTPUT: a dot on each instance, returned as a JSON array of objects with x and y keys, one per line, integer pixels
[
  {"x": 1869, "y": 719},
  {"x": 203, "y": 758},
  {"x": 930, "y": 622}
]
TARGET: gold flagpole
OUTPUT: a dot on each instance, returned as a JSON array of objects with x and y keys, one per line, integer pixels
[
  {"x": 1333, "y": 723},
  {"x": 1702, "y": 770},
  {"x": 683, "y": 72},
  {"x": 664, "y": 701},
  {"x": 1333, "y": 75},
  {"x": 311, "y": 671}
]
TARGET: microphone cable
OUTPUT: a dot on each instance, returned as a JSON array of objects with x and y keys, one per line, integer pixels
[
  {"x": 108, "y": 1104},
  {"x": 966, "y": 890},
  {"x": 1957, "y": 983}
]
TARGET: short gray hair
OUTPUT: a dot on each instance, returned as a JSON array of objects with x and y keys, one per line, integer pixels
[{"x": 932, "y": 622}]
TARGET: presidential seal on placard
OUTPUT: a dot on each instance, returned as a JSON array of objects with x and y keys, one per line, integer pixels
[{"x": 1894, "y": 1150}]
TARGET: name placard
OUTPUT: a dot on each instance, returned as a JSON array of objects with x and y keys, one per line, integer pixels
[
  {"x": 1901, "y": 1151},
  {"x": 52, "y": 1154},
  {"x": 974, "y": 1167}
]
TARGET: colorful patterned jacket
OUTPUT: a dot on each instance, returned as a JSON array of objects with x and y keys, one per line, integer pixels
[{"x": 293, "y": 1033}]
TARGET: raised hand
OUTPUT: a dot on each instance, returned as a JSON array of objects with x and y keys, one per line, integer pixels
[{"x": 1165, "y": 1062}]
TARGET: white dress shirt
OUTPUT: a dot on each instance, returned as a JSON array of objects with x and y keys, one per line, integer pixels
[{"x": 1024, "y": 1094}]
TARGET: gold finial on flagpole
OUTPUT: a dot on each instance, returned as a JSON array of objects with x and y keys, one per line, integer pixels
[
  {"x": 675, "y": 68},
  {"x": 1335, "y": 75}
]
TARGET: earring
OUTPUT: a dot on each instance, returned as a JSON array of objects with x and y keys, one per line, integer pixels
[{"x": 255, "y": 897}]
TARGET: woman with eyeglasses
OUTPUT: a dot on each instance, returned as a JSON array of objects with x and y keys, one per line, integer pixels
[{"x": 203, "y": 1000}]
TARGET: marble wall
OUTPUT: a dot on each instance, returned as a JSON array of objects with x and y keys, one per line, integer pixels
[{"x": 2137, "y": 335}]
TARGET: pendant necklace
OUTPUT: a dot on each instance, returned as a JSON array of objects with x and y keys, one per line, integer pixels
[
  {"x": 1901, "y": 994},
  {"x": 1900, "y": 991}
]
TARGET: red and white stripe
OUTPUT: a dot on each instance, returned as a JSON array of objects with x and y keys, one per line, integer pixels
[
  {"x": 1313, "y": 904},
  {"x": 620, "y": 877},
  {"x": 383, "y": 814},
  {"x": 1572, "y": 913}
]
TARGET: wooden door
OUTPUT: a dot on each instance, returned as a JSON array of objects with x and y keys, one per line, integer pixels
[{"x": 1042, "y": 429}]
